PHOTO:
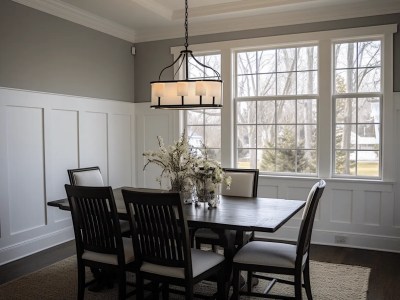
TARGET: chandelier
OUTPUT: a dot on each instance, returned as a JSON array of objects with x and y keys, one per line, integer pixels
[{"x": 186, "y": 93}]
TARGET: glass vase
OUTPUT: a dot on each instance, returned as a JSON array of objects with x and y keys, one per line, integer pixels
[{"x": 206, "y": 193}]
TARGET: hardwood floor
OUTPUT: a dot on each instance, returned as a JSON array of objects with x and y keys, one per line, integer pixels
[{"x": 383, "y": 282}]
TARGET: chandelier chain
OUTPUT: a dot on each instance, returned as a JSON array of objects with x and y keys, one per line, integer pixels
[{"x": 186, "y": 25}]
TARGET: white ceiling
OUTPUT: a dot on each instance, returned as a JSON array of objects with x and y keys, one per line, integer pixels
[{"x": 145, "y": 20}]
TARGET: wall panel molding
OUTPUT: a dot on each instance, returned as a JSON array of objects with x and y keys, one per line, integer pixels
[
  {"x": 42, "y": 135},
  {"x": 364, "y": 213}
]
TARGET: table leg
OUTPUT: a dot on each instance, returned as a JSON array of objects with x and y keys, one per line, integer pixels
[
  {"x": 228, "y": 242},
  {"x": 103, "y": 279}
]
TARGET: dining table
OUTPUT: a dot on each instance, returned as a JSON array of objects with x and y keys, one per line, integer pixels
[{"x": 232, "y": 213}]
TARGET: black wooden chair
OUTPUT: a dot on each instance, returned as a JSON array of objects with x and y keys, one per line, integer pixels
[
  {"x": 99, "y": 243},
  {"x": 280, "y": 258},
  {"x": 244, "y": 184},
  {"x": 91, "y": 176},
  {"x": 162, "y": 244}
]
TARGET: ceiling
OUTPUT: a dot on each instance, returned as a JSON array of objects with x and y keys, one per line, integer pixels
[{"x": 145, "y": 20}]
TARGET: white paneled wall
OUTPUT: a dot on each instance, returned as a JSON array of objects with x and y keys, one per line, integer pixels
[
  {"x": 358, "y": 213},
  {"x": 42, "y": 135},
  {"x": 362, "y": 214},
  {"x": 151, "y": 123}
]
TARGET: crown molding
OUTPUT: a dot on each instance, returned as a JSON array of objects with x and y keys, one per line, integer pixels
[
  {"x": 321, "y": 14},
  {"x": 82, "y": 17},
  {"x": 200, "y": 27}
]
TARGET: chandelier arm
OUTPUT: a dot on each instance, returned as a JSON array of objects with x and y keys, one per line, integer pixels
[
  {"x": 205, "y": 66},
  {"x": 180, "y": 65},
  {"x": 167, "y": 67}
]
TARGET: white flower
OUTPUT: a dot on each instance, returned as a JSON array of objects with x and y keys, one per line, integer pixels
[{"x": 186, "y": 167}]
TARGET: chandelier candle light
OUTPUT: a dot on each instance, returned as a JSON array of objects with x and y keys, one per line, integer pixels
[{"x": 186, "y": 93}]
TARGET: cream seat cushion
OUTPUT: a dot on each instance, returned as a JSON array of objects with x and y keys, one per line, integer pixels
[
  {"x": 111, "y": 259},
  {"x": 88, "y": 178},
  {"x": 241, "y": 186},
  {"x": 268, "y": 254},
  {"x": 201, "y": 262}
]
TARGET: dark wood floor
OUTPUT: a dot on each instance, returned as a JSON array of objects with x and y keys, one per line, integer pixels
[{"x": 384, "y": 281}]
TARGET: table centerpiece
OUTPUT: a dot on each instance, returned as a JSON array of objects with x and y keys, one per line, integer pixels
[{"x": 188, "y": 170}]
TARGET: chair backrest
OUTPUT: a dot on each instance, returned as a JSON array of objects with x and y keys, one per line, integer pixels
[
  {"x": 86, "y": 177},
  {"x": 95, "y": 220},
  {"x": 244, "y": 182},
  {"x": 159, "y": 229},
  {"x": 307, "y": 222}
]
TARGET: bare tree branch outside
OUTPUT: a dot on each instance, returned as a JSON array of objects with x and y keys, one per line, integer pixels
[{"x": 276, "y": 109}]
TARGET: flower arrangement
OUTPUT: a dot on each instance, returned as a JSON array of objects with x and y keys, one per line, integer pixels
[
  {"x": 209, "y": 176},
  {"x": 176, "y": 161},
  {"x": 187, "y": 168}
]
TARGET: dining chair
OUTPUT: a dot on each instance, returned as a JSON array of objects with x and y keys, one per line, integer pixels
[
  {"x": 280, "y": 257},
  {"x": 162, "y": 245},
  {"x": 91, "y": 176},
  {"x": 244, "y": 184},
  {"x": 99, "y": 243}
]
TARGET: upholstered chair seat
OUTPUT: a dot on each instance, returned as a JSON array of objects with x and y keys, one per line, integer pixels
[
  {"x": 268, "y": 254},
  {"x": 111, "y": 259},
  {"x": 201, "y": 262}
]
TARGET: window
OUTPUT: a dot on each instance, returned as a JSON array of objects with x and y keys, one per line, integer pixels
[
  {"x": 276, "y": 109},
  {"x": 203, "y": 126},
  {"x": 357, "y": 108},
  {"x": 309, "y": 104}
]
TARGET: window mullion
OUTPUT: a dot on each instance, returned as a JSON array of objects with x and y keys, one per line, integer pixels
[
  {"x": 227, "y": 113},
  {"x": 325, "y": 107}
]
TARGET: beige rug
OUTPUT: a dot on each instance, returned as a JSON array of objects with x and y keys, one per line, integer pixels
[{"x": 58, "y": 281}]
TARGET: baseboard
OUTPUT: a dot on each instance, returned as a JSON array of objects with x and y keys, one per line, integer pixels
[
  {"x": 341, "y": 239},
  {"x": 28, "y": 247}
]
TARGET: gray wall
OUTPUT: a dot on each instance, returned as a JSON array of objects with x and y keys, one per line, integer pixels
[
  {"x": 151, "y": 57},
  {"x": 44, "y": 53}
]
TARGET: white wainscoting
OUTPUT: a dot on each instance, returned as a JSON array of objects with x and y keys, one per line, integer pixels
[
  {"x": 42, "y": 135},
  {"x": 151, "y": 123},
  {"x": 360, "y": 214}
]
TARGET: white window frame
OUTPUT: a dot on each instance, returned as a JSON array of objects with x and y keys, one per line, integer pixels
[
  {"x": 324, "y": 39},
  {"x": 294, "y": 97},
  {"x": 380, "y": 95}
]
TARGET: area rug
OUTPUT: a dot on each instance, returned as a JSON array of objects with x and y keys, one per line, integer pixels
[{"x": 59, "y": 281}]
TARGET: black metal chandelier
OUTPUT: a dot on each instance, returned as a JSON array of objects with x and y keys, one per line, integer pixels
[{"x": 186, "y": 93}]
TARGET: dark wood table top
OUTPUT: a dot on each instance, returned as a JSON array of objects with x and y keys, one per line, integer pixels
[{"x": 236, "y": 213}]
